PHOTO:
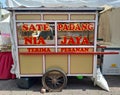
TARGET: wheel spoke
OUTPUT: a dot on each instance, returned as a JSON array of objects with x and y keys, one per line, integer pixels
[
  {"x": 48, "y": 78},
  {"x": 61, "y": 79},
  {"x": 55, "y": 86}
]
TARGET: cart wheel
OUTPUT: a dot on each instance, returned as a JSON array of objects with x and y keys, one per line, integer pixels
[{"x": 54, "y": 80}]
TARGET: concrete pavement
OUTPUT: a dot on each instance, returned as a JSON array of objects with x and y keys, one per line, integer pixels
[{"x": 74, "y": 87}]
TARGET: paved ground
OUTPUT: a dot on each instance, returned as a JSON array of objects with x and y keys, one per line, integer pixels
[{"x": 74, "y": 87}]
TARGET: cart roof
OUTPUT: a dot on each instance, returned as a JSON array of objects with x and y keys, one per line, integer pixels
[{"x": 55, "y": 9}]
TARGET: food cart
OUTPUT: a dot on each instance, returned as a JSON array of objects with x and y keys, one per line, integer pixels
[{"x": 54, "y": 43}]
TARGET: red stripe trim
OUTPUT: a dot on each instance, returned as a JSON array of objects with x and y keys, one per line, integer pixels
[
  {"x": 93, "y": 53},
  {"x": 101, "y": 46}
]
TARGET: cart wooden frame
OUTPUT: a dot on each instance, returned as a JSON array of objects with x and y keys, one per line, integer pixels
[{"x": 87, "y": 61}]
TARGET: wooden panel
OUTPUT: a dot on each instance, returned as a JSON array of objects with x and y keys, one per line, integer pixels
[
  {"x": 23, "y": 50},
  {"x": 82, "y": 64},
  {"x": 55, "y": 17},
  {"x": 57, "y": 61},
  {"x": 31, "y": 64},
  {"x": 82, "y": 17},
  {"x": 28, "y": 17}
]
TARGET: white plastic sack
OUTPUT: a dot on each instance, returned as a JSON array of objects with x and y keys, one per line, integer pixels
[
  {"x": 5, "y": 31},
  {"x": 100, "y": 81},
  {"x": 5, "y": 39}
]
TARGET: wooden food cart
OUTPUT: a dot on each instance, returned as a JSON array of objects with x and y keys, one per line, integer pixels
[{"x": 54, "y": 43}]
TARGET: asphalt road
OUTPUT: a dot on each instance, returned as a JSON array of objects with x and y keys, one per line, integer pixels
[{"x": 74, "y": 87}]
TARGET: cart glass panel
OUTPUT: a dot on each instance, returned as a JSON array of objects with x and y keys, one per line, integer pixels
[
  {"x": 75, "y": 33},
  {"x": 36, "y": 33}
]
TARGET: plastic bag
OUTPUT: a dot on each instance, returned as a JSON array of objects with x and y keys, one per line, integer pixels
[
  {"x": 5, "y": 39},
  {"x": 100, "y": 80}
]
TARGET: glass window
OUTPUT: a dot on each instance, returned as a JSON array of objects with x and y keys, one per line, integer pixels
[
  {"x": 36, "y": 33},
  {"x": 75, "y": 33}
]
